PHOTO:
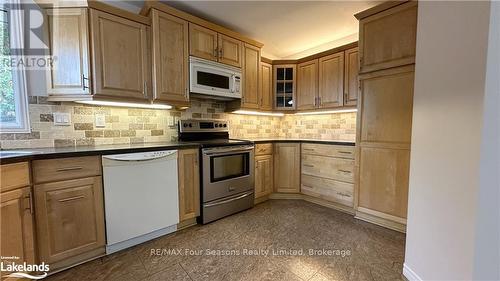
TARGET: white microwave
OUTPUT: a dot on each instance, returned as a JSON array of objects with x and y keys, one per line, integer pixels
[{"x": 213, "y": 79}]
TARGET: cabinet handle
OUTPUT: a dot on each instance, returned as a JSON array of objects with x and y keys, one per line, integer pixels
[
  {"x": 215, "y": 53},
  {"x": 145, "y": 88},
  {"x": 30, "y": 202},
  {"x": 345, "y": 152},
  {"x": 308, "y": 165},
  {"x": 315, "y": 99},
  {"x": 220, "y": 53},
  {"x": 83, "y": 82},
  {"x": 69, "y": 169},
  {"x": 345, "y": 171},
  {"x": 309, "y": 149},
  {"x": 71, "y": 198}
]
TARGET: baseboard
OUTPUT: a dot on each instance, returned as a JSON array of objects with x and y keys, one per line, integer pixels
[
  {"x": 409, "y": 274},
  {"x": 186, "y": 223},
  {"x": 261, "y": 199},
  {"x": 378, "y": 218},
  {"x": 314, "y": 200}
]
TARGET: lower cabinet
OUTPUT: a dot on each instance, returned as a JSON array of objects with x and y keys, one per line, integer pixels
[
  {"x": 189, "y": 184},
  {"x": 16, "y": 211},
  {"x": 328, "y": 173},
  {"x": 70, "y": 218},
  {"x": 287, "y": 167},
  {"x": 263, "y": 175}
]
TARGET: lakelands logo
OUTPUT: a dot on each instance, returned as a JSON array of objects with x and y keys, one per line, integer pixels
[{"x": 19, "y": 269}]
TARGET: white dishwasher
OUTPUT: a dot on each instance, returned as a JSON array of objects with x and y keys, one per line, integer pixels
[{"x": 140, "y": 197}]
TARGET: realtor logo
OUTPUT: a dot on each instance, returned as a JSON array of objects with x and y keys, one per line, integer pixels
[{"x": 37, "y": 271}]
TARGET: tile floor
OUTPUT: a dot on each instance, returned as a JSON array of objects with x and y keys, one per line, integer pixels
[{"x": 376, "y": 253}]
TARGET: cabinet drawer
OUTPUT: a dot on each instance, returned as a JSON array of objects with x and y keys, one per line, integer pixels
[
  {"x": 66, "y": 168},
  {"x": 328, "y": 167},
  {"x": 340, "y": 151},
  {"x": 14, "y": 176},
  {"x": 327, "y": 189},
  {"x": 263, "y": 149}
]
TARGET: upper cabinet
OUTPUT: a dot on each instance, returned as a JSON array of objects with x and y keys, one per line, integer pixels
[
  {"x": 351, "y": 79},
  {"x": 266, "y": 86},
  {"x": 170, "y": 58},
  {"x": 331, "y": 81},
  {"x": 208, "y": 44},
  {"x": 251, "y": 65},
  {"x": 284, "y": 86},
  {"x": 120, "y": 52},
  {"x": 69, "y": 76},
  {"x": 307, "y": 85},
  {"x": 389, "y": 37}
]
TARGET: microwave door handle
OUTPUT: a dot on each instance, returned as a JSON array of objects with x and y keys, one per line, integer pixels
[{"x": 233, "y": 86}]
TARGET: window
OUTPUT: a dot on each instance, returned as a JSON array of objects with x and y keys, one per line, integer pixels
[{"x": 13, "y": 94}]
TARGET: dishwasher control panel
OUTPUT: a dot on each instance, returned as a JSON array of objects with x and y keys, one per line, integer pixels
[{"x": 141, "y": 156}]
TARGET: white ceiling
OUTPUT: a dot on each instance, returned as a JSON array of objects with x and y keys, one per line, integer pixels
[{"x": 288, "y": 29}]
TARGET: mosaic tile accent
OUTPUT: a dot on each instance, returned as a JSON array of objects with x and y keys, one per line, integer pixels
[{"x": 132, "y": 125}]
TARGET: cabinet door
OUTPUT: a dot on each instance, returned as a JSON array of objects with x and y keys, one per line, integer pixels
[
  {"x": 287, "y": 167},
  {"x": 170, "y": 58},
  {"x": 69, "y": 43},
  {"x": 189, "y": 184},
  {"x": 285, "y": 78},
  {"x": 202, "y": 42},
  {"x": 120, "y": 54},
  {"x": 70, "y": 218},
  {"x": 307, "y": 85},
  {"x": 331, "y": 80},
  {"x": 17, "y": 225},
  {"x": 263, "y": 175},
  {"x": 251, "y": 65},
  {"x": 351, "y": 82},
  {"x": 266, "y": 86},
  {"x": 388, "y": 39},
  {"x": 229, "y": 50}
]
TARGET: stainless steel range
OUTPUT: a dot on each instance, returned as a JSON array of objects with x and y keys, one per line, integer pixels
[{"x": 227, "y": 165}]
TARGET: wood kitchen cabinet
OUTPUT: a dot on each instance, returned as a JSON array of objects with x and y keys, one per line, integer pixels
[
  {"x": 266, "y": 86},
  {"x": 351, "y": 80},
  {"x": 331, "y": 81},
  {"x": 284, "y": 84},
  {"x": 208, "y": 44},
  {"x": 17, "y": 214},
  {"x": 251, "y": 65},
  {"x": 69, "y": 76},
  {"x": 307, "y": 85},
  {"x": 170, "y": 58},
  {"x": 189, "y": 184},
  {"x": 287, "y": 167},
  {"x": 69, "y": 210},
  {"x": 388, "y": 38},
  {"x": 264, "y": 169},
  {"x": 120, "y": 52}
]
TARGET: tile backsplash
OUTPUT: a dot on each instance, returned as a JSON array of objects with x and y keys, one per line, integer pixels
[{"x": 130, "y": 125}]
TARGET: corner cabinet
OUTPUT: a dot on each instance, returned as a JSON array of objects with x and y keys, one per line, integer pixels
[
  {"x": 170, "y": 58},
  {"x": 250, "y": 73},
  {"x": 284, "y": 86},
  {"x": 121, "y": 60},
  {"x": 287, "y": 167},
  {"x": 69, "y": 76},
  {"x": 189, "y": 184}
]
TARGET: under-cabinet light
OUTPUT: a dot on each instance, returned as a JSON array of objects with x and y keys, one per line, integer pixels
[
  {"x": 327, "y": 112},
  {"x": 125, "y": 104},
  {"x": 246, "y": 112}
]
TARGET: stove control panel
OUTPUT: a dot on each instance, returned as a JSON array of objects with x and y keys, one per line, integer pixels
[{"x": 203, "y": 125}]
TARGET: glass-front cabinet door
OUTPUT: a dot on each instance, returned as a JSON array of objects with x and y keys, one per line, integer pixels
[{"x": 284, "y": 86}]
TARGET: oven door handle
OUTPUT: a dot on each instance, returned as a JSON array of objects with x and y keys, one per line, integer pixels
[
  {"x": 228, "y": 200},
  {"x": 226, "y": 150}
]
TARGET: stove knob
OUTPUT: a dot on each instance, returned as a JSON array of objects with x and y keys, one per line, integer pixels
[
  {"x": 225, "y": 125},
  {"x": 190, "y": 125},
  {"x": 185, "y": 125}
]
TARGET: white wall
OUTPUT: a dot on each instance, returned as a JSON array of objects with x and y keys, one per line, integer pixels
[
  {"x": 446, "y": 139},
  {"x": 487, "y": 255}
]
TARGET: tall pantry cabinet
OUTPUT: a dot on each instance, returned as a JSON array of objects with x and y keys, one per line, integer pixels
[{"x": 386, "y": 56}]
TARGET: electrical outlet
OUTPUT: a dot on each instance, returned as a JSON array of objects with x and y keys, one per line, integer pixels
[
  {"x": 62, "y": 118},
  {"x": 100, "y": 121}
]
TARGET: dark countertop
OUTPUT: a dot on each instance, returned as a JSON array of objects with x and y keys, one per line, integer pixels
[
  {"x": 334, "y": 142},
  {"x": 19, "y": 155}
]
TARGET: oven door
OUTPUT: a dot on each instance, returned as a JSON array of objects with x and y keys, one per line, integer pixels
[{"x": 227, "y": 171}]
